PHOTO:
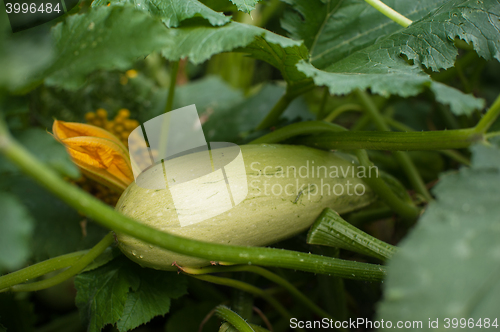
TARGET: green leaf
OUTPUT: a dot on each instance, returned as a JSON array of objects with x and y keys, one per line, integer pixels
[
  {"x": 172, "y": 12},
  {"x": 16, "y": 228},
  {"x": 47, "y": 149},
  {"x": 332, "y": 30},
  {"x": 22, "y": 54},
  {"x": 105, "y": 38},
  {"x": 58, "y": 228},
  {"x": 209, "y": 94},
  {"x": 460, "y": 103},
  {"x": 330, "y": 229},
  {"x": 347, "y": 51},
  {"x": 123, "y": 293},
  {"x": 245, "y": 5},
  {"x": 236, "y": 121},
  {"x": 448, "y": 267},
  {"x": 199, "y": 43}
]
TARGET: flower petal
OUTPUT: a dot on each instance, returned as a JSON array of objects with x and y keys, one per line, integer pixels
[
  {"x": 63, "y": 130},
  {"x": 99, "y": 154}
]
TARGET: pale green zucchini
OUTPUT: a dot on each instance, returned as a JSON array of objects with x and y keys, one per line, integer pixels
[{"x": 265, "y": 216}]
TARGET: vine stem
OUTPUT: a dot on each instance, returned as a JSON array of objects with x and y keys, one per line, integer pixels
[
  {"x": 489, "y": 118},
  {"x": 403, "y": 159},
  {"x": 111, "y": 219},
  {"x": 395, "y": 141},
  {"x": 247, "y": 288},
  {"x": 76, "y": 268},
  {"x": 174, "y": 68},
  {"x": 266, "y": 274},
  {"x": 389, "y": 12},
  {"x": 492, "y": 134},
  {"x": 407, "y": 211},
  {"x": 39, "y": 269},
  {"x": 273, "y": 116},
  {"x": 163, "y": 142},
  {"x": 296, "y": 129},
  {"x": 342, "y": 109},
  {"x": 233, "y": 318}
]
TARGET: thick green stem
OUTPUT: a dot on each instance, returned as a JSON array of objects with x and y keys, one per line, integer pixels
[
  {"x": 233, "y": 318},
  {"x": 342, "y": 109},
  {"x": 455, "y": 155},
  {"x": 492, "y": 134},
  {"x": 296, "y": 129},
  {"x": 109, "y": 218},
  {"x": 403, "y": 159},
  {"x": 322, "y": 106},
  {"x": 247, "y": 288},
  {"x": 405, "y": 210},
  {"x": 266, "y": 274},
  {"x": 76, "y": 268},
  {"x": 273, "y": 116},
  {"x": 174, "y": 68},
  {"x": 412, "y": 173},
  {"x": 489, "y": 118},
  {"x": 39, "y": 269},
  {"x": 389, "y": 12}
]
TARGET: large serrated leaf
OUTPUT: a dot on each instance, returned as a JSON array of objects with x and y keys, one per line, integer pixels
[
  {"x": 172, "y": 12},
  {"x": 448, "y": 267},
  {"x": 106, "y": 38},
  {"x": 334, "y": 29},
  {"x": 245, "y": 5},
  {"x": 124, "y": 294},
  {"x": 199, "y": 43},
  {"x": 16, "y": 228},
  {"x": 356, "y": 47}
]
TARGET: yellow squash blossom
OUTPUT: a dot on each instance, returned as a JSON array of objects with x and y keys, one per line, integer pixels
[{"x": 99, "y": 154}]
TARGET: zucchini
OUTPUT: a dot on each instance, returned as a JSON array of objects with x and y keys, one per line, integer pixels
[{"x": 288, "y": 188}]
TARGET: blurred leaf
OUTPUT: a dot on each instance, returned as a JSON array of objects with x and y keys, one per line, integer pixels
[
  {"x": 347, "y": 51},
  {"x": 47, "y": 150},
  {"x": 234, "y": 123},
  {"x": 190, "y": 317},
  {"x": 449, "y": 265},
  {"x": 57, "y": 230},
  {"x": 199, "y": 43},
  {"x": 22, "y": 54},
  {"x": 16, "y": 313},
  {"x": 208, "y": 94},
  {"x": 460, "y": 103},
  {"x": 16, "y": 229},
  {"x": 245, "y": 5},
  {"x": 172, "y": 12},
  {"x": 105, "y": 38},
  {"x": 123, "y": 293}
]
